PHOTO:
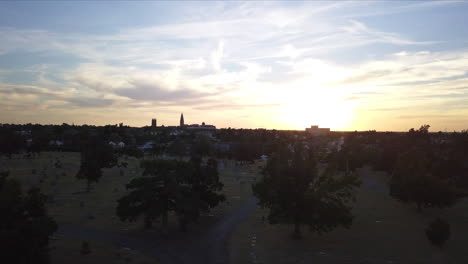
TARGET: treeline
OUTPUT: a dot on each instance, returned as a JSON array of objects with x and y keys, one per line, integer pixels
[
  {"x": 35, "y": 138},
  {"x": 445, "y": 154}
]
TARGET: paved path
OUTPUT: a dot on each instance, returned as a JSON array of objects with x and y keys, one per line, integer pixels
[
  {"x": 205, "y": 249},
  {"x": 370, "y": 181}
]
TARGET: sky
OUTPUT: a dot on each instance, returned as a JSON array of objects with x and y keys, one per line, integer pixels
[{"x": 347, "y": 65}]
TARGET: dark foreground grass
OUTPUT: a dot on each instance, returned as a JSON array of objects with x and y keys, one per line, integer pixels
[
  {"x": 68, "y": 250},
  {"x": 72, "y": 206},
  {"x": 384, "y": 231}
]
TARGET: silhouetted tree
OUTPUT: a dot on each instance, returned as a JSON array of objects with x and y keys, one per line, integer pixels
[
  {"x": 10, "y": 142},
  {"x": 200, "y": 193},
  {"x": 85, "y": 248},
  {"x": 413, "y": 181},
  {"x": 25, "y": 227},
  {"x": 185, "y": 187},
  {"x": 154, "y": 195},
  {"x": 438, "y": 232},
  {"x": 203, "y": 146},
  {"x": 40, "y": 136},
  {"x": 177, "y": 148},
  {"x": 420, "y": 174},
  {"x": 296, "y": 193},
  {"x": 95, "y": 155}
]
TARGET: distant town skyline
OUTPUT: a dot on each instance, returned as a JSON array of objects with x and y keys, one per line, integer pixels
[{"x": 346, "y": 65}]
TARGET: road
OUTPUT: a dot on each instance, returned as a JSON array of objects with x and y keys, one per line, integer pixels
[{"x": 209, "y": 248}]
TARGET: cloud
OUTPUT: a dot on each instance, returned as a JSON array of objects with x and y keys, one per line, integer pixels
[
  {"x": 386, "y": 109},
  {"x": 234, "y": 106},
  {"x": 429, "y": 116},
  {"x": 90, "y": 102},
  {"x": 10, "y": 89},
  {"x": 145, "y": 91},
  {"x": 48, "y": 97},
  {"x": 217, "y": 55},
  {"x": 372, "y": 35},
  {"x": 410, "y": 69},
  {"x": 351, "y": 98}
]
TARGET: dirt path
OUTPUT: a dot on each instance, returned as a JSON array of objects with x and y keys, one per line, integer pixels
[{"x": 207, "y": 248}]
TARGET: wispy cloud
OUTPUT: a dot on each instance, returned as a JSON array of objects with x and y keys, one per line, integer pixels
[{"x": 237, "y": 56}]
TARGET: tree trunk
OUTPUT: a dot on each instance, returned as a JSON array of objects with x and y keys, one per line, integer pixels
[
  {"x": 347, "y": 166},
  {"x": 164, "y": 219},
  {"x": 297, "y": 230},
  {"x": 164, "y": 222},
  {"x": 148, "y": 222},
  {"x": 183, "y": 224}
]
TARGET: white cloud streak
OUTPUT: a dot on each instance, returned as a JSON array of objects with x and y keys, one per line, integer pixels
[{"x": 250, "y": 54}]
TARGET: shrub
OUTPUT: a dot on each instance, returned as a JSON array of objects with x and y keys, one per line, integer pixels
[
  {"x": 438, "y": 232},
  {"x": 85, "y": 249}
]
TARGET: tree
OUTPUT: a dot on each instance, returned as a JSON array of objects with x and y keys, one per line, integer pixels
[
  {"x": 40, "y": 136},
  {"x": 414, "y": 181},
  {"x": 438, "y": 232},
  {"x": 25, "y": 227},
  {"x": 177, "y": 148},
  {"x": 10, "y": 142},
  {"x": 203, "y": 146},
  {"x": 154, "y": 195},
  {"x": 85, "y": 248},
  {"x": 184, "y": 187},
  {"x": 296, "y": 193},
  {"x": 95, "y": 155},
  {"x": 200, "y": 193}
]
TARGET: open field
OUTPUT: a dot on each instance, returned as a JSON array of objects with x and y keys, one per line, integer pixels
[
  {"x": 67, "y": 250},
  {"x": 94, "y": 212},
  {"x": 384, "y": 231}
]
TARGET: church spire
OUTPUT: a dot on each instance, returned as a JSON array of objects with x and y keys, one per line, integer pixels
[{"x": 182, "y": 119}]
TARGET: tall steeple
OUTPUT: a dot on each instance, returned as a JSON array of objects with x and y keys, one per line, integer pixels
[{"x": 182, "y": 119}]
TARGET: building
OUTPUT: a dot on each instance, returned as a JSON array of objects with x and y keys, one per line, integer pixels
[
  {"x": 153, "y": 122},
  {"x": 117, "y": 144},
  {"x": 147, "y": 146},
  {"x": 55, "y": 143},
  {"x": 203, "y": 126},
  {"x": 196, "y": 127},
  {"x": 316, "y": 131},
  {"x": 182, "y": 120}
]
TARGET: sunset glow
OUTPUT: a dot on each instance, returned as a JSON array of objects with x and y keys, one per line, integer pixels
[{"x": 278, "y": 65}]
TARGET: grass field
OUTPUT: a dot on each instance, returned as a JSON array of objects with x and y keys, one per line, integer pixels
[
  {"x": 71, "y": 205},
  {"x": 67, "y": 250},
  {"x": 384, "y": 231}
]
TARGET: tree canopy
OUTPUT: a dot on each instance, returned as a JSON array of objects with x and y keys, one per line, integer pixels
[
  {"x": 297, "y": 192},
  {"x": 421, "y": 174},
  {"x": 187, "y": 188},
  {"x": 414, "y": 181},
  {"x": 25, "y": 227},
  {"x": 95, "y": 155}
]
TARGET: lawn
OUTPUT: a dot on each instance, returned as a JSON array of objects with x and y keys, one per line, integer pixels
[
  {"x": 384, "y": 231},
  {"x": 68, "y": 250},
  {"x": 71, "y": 205}
]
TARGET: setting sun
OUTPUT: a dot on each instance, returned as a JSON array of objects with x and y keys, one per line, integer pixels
[{"x": 318, "y": 109}]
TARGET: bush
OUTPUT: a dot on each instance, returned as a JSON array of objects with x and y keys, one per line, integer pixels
[
  {"x": 438, "y": 232},
  {"x": 85, "y": 249}
]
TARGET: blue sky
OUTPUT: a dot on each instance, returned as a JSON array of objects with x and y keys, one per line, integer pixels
[{"x": 348, "y": 65}]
